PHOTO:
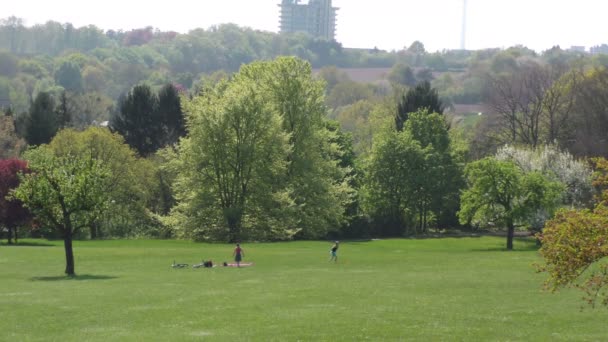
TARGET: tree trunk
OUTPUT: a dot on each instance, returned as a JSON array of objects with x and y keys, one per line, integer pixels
[
  {"x": 16, "y": 230},
  {"x": 69, "y": 254},
  {"x": 233, "y": 218},
  {"x": 510, "y": 234},
  {"x": 93, "y": 230},
  {"x": 10, "y": 235}
]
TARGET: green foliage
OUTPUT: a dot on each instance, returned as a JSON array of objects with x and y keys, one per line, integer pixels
[
  {"x": 402, "y": 74},
  {"x": 65, "y": 193},
  {"x": 413, "y": 178},
  {"x": 138, "y": 120},
  {"x": 131, "y": 182},
  {"x": 555, "y": 164},
  {"x": 234, "y": 152},
  {"x": 259, "y": 161},
  {"x": 575, "y": 245},
  {"x": 148, "y": 121},
  {"x": 348, "y": 92},
  {"x": 395, "y": 164},
  {"x": 500, "y": 193},
  {"x": 42, "y": 123},
  {"x": 11, "y": 145},
  {"x": 69, "y": 77},
  {"x": 420, "y": 97},
  {"x": 574, "y": 250},
  {"x": 170, "y": 114}
]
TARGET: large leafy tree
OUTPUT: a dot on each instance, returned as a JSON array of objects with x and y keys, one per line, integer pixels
[
  {"x": 436, "y": 190},
  {"x": 574, "y": 245},
  {"x": 234, "y": 154},
  {"x": 12, "y": 212},
  {"x": 500, "y": 193},
  {"x": 316, "y": 181},
  {"x": 395, "y": 165},
  {"x": 259, "y": 159},
  {"x": 556, "y": 164},
  {"x": 422, "y": 96},
  {"x": 65, "y": 193},
  {"x": 413, "y": 176},
  {"x": 129, "y": 184}
]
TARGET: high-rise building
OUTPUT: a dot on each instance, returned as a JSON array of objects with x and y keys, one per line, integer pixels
[{"x": 317, "y": 18}]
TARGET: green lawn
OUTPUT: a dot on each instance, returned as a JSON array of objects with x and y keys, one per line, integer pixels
[{"x": 466, "y": 289}]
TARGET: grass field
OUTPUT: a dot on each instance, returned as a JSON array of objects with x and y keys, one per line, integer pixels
[{"x": 466, "y": 289}]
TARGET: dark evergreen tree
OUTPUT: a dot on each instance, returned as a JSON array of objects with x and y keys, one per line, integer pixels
[
  {"x": 419, "y": 97},
  {"x": 138, "y": 120},
  {"x": 170, "y": 114},
  {"x": 41, "y": 123},
  {"x": 64, "y": 117}
]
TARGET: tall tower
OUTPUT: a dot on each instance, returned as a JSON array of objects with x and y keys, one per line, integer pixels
[
  {"x": 317, "y": 18},
  {"x": 463, "y": 33}
]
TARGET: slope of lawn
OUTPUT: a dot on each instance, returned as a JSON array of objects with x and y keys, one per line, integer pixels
[{"x": 437, "y": 289}]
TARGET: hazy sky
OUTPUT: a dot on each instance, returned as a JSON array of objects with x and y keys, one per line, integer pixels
[{"x": 386, "y": 24}]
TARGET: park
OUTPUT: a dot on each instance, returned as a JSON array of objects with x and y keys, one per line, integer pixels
[
  {"x": 381, "y": 290},
  {"x": 468, "y": 189}
]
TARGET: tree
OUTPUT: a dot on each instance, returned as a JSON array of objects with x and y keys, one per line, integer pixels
[
  {"x": 69, "y": 77},
  {"x": 413, "y": 177},
  {"x": 11, "y": 145},
  {"x": 437, "y": 187},
  {"x": 234, "y": 153},
  {"x": 589, "y": 119},
  {"x": 171, "y": 115},
  {"x": 574, "y": 245},
  {"x": 555, "y": 164},
  {"x": 138, "y": 121},
  {"x": 531, "y": 109},
  {"x": 315, "y": 180},
  {"x": 62, "y": 112},
  {"x": 402, "y": 74},
  {"x": 348, "y": 92},
  {"x": 396, "y": 162},
  {"x": 12, "y": 212},
  {"x": 499, "y": 192},
  {"x": 8, "y": 65},
  {"x": 65, "y": 193},
  {"x": 130, "y": 182},
  {"x": 419, "y": 97},
  {"x": 41, "y": 123}
]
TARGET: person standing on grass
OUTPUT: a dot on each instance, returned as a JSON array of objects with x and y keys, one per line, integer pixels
[
  {"x": 334, "y": 252},
  {"x": 238, "y": 255}
]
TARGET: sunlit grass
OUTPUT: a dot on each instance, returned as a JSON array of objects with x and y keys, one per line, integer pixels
[{"x": 466, "y": 289}]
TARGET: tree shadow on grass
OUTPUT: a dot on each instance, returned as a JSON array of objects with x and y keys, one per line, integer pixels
[
  {"x": 28, "y": 244},
  {"x": 519, "y": 245},
  {"x": 76, "y": 277}
]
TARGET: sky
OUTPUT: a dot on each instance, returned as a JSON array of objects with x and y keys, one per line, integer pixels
[{"x": 385, "y": 24}]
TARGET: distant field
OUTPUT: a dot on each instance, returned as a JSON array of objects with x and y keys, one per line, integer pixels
[{"x": 466, "y": 289}]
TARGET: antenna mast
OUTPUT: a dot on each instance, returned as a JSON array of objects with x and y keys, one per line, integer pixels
[{"x": 463, "y": 34}]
